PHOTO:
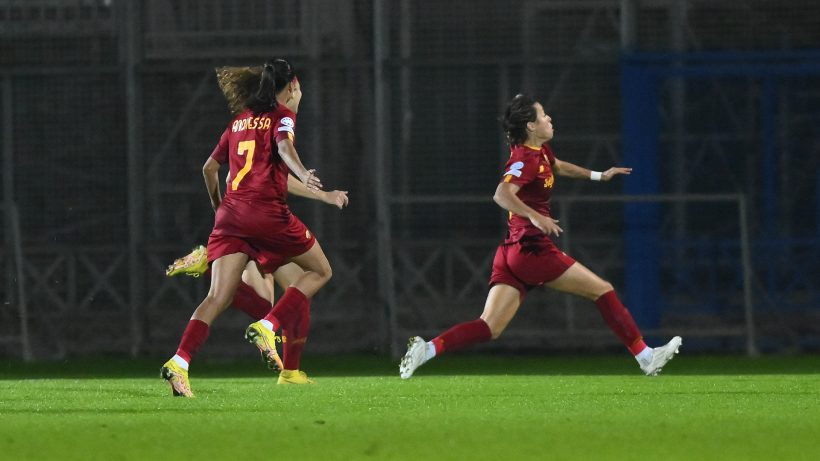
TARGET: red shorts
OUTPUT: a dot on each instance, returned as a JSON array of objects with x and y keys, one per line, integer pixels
[
  {"x": 529, "y": 263},
  {"x": 269, "y": 240}
]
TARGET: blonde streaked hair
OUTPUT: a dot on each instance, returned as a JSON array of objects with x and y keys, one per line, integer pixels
[
  {"x": 239, "y": 85},
  {"x": 255, "y": 88}
]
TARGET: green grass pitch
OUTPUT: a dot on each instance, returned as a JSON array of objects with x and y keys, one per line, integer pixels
[{"x": 463, "y": 407}]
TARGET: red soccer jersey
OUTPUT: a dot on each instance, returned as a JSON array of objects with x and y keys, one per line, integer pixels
[
  {"x": 529, "y": 168},
  {"x": 249, "y": 145}
]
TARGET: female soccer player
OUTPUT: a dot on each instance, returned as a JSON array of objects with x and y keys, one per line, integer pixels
[
  {"x": 253, "y": 221},
  {"x": 254, "y": 295},
  {"x": 528, "y": 258}
]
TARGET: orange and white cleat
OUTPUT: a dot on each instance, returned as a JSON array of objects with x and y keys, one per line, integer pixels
[
  {"x": 260, "y": 336},
  {"x": 194, "y": 263},
  {"x": 177, "y": 377}
]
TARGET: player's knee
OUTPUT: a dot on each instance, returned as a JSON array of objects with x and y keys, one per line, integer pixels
[
  {"x": 600, "y": 289},
  {"x": 326, "y": 272},
  {"x": 220, "y": 299}
]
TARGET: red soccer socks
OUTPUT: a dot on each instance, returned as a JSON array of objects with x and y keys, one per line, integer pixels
[
  {"x": 288, "y": 309},
  {"x": 293, "y": 338},
  {"x": 463, "y": 335},
  {"x": 292, "y": 312},
  {"x": 620, "y": 322},
  {"x": 192, "y": 339},
  {"x": 248, "y": 301}
]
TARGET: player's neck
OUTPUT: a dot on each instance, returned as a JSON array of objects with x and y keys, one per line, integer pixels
[
  {"x": 535, "y": 141},
  {"x": 290, "y": 103}
]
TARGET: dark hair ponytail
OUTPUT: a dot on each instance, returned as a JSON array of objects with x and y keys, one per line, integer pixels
[
  {"x": 520, "y": 111},
  {"x": 276, "y": 74}
]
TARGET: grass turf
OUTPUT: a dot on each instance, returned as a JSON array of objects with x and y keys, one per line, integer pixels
[{"x": 459, "y": 407}]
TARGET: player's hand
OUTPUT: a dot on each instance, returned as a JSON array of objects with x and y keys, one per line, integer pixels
[
  {"x": 546, "y": 225},
  {"x": 337, "y": 198},
  {"x": 608, "y": 174},
  {"x": 312, "y": 182}
]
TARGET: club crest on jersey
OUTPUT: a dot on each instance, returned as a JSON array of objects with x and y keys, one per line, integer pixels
[{"x": 515, "y": 169}]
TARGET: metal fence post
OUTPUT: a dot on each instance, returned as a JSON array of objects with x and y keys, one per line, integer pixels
[
  {"x": 11, "y": 216},
  {"x": 136, "y": 168},
  {"x": 382, "y": 176},
  {"x": 746, "y": 259}
]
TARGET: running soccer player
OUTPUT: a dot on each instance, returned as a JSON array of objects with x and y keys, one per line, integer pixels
[
  {"x": 528, "y": 258},
  {"x": 254, "y": 295},
  {"x": 253, "y": 221}
]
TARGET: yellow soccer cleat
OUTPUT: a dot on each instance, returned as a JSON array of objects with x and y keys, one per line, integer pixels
[
  {"x": 194, "y": 263},
  {"x": 177, "y": 377},
  {"x": 265, "y": 340},
  {"x": 294, "y": 377}
]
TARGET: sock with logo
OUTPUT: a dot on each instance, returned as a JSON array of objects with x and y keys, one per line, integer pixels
[{"x": 293, "y": 338}]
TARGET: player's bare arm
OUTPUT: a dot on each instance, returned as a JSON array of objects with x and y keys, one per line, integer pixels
[
  {"x": 337, "y": 198},
  {"x": 570, "y": 170},
  {"x": 211, "y": 173},
  {"x": 505, "y": 196},
  {"x": 291, "y": 158}
]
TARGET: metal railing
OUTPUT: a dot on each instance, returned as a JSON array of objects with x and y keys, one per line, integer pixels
[{"x": 417, "y": 277}]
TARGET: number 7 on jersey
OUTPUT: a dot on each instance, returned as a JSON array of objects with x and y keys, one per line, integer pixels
[{"x": 249, "y": 147}]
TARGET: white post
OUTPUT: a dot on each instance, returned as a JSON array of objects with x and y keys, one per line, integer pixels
[{"x": 12, "y": 218}]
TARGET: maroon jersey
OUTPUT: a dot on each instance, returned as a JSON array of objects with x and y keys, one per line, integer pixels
[
  {"x": 529, "y": 168},
  {"x": 258, "y": 173}
]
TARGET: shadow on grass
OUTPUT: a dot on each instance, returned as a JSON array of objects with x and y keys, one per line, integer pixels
[{"x": 457, "y": 364}]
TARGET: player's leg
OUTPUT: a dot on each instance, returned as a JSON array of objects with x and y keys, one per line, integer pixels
[
  {"x": 287, "y": 274},
  {"x": 292, "y": 312},
  {"x": 226, "y": 273},
  {"x": 292, "y": 341},
  {"x": 501, "y": 305},
  {"x": 316, "y": 269},
  {"x": 252, "y": 297},
  {"x": 579, "y": 280},
  {"x": 254, "y": 294},
  {"x": 296, "y": 321},
  {"x": 255, "y": 279}
]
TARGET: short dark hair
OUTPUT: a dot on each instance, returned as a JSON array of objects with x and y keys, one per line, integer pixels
[
  {"x": 519, "y": 112},
  {"x": 255, "y": 88}
]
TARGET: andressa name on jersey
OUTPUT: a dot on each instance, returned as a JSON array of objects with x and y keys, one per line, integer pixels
[{"x": 253, "y": 123}]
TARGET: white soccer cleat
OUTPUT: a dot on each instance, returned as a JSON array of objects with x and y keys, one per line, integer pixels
[
  {"x": 661, "y": 355},
  {"x": 415, "y": 357}
]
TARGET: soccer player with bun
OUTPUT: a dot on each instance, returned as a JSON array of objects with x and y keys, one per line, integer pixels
[
  {"x": 528, "y": 258},
  {"x": 253, "y": 221}
]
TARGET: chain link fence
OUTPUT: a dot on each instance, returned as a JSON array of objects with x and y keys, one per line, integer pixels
[{"x": 451, "y": 67}]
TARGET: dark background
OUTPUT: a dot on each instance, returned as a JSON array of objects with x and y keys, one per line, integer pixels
[{"x": 110, "y": 109}]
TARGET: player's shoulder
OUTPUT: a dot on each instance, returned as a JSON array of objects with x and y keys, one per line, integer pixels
[
  {"x": 546, "y": 149},
  {"x": 523, "y": 153},
  {"x": 284, "y": 115}
]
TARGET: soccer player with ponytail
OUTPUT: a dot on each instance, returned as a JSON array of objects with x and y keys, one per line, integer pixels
[
  {"x": 253, "y": 221},
  {"x": 528, "y": 258}
]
